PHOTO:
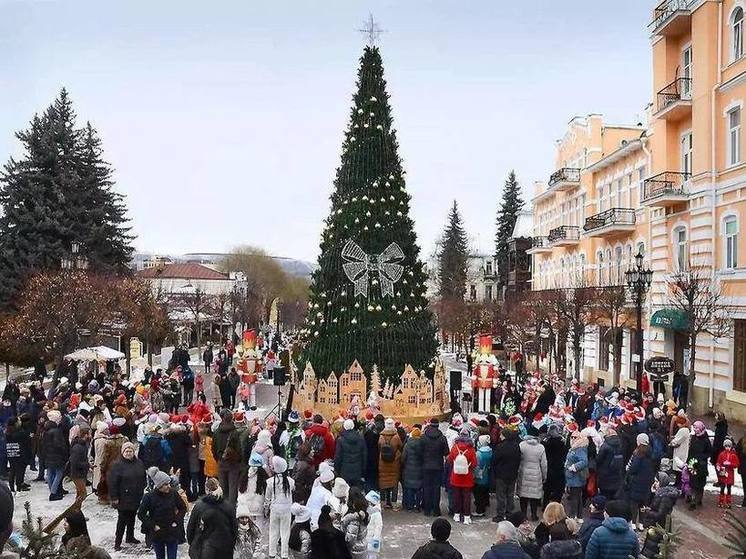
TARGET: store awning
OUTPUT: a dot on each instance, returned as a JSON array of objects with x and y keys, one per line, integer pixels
[{"x": 674, "y": 319}]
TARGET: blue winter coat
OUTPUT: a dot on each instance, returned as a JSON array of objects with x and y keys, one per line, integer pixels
[
  {"x": 594, "y": 520},
  {"x": 640, "y": 476},
  {"x": 484, "y": 462},
  {"x": 613, "y": 540},
  {"x": 577, "y": 457}
]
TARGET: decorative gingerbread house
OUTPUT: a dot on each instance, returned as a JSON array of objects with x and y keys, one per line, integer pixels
[{"x": 415, "y": 399}]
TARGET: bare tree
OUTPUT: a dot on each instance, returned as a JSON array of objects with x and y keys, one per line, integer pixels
[
  {"x": 198, "y": 304},
  {"x": 693, "y": 292},
  {"x": 612, "y": 306},
  {"x": 574, "y": 306}
]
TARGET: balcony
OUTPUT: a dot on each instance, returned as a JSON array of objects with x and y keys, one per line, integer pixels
[
  {"x": 519, "y": 278},
  {"x": 564, "y": 179},
  {"x": 564, "y": 235},
  {"x": 666, "y": 189},
  {"x": 610, "y": 222},
  {"x": 675, "y": 100},
  {"x": 672, "y": 18},
  {"x": 539, "y": 245}
]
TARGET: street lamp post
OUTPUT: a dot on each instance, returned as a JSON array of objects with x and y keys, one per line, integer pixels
[{"x": 639, "y": 279}]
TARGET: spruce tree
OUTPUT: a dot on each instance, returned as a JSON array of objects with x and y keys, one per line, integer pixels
[
  {"x": 367, "y": 298},
  {"x": 510, "y": 206},
  {"x": 453, "y": 258},
  {"x": 57, "y": 193}
]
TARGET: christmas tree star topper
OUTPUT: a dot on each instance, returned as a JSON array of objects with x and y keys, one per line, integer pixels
[{"x": 372, "y": 30}]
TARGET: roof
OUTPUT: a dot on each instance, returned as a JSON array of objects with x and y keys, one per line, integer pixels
[
  {"x": 524, "y": 225},
  {"x": 188, "y": 270}
]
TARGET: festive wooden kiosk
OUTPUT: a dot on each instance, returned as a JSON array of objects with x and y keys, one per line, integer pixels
[{"x": 415, "y": 399}]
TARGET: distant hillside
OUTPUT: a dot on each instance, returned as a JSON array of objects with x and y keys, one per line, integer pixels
[{"x": 298, "y": 268}]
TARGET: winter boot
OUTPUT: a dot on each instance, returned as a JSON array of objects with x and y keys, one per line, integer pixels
[
  {"x": 721, "y": 500},
  {"x": 457, "y": 518},
  {"x": 728, "y": 501},
  {"x": 467, "y": 519}
]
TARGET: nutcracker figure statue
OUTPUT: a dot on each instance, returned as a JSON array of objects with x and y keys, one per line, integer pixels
[
  {"x": 250, "y": 366},
  {"x": 484, "y": 378}
]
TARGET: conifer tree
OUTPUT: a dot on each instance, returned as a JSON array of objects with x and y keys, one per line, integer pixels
[
  {"x": 367, "y": 299},
  {"x": 510, "y": 206},
  {"x": 453, "y": 258},
  {"x": 57, "y": 193}
]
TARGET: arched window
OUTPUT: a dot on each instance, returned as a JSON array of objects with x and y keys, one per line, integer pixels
[
  {"x": 600, "y": 263},
  {"x": 730, "y": 233},
  {"x": 681, "y": 246},
  {"x": 619, "y": 272},
  {"x": 737, "y": 34},
  {"x": 562, "y": 272},
  {"x": 609, "y": 268},
  {"x": 640, "y": 249}
]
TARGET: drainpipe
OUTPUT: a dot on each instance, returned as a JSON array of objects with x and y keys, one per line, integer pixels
[
  {"x": 649, "y": 242},
  {"x": 713, "y": 188}
]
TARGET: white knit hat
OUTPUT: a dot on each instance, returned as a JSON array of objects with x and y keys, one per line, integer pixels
[
  {"x": 340, "y": 489},
  {"x": 279, "y": 465},
  {"x": 349, "y": 425},
  {"x": 326, "y": 476}
]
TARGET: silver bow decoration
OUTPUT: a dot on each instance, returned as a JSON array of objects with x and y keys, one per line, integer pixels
[{"x": 358, "y": 265}]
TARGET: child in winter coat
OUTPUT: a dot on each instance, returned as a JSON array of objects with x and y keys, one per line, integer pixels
[
  {"x": 278, "y": 497},
  {"x": 249, "y": 534},
  {"x": 355, "y": 524},
  {"x": 375, "y": 524},
  {"x": 726, "y": 464},
  {"x": 251, "y": 490},
  {"x": 463, "y": 461},
  {"x": 199, "y": 383},
  {"x": 482, "y": 476},
  {"x": 300, "y": 533}
]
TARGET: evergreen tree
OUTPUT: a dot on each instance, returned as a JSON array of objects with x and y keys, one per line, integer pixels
[
  {"x": 510, "y": 206},
  {"x": 58, "y": 193},
  {"x": 453, "y": 258},
  {"x": 367, "y": 299}
]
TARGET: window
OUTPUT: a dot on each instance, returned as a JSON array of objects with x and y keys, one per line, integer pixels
[
  {"x": 640, "y": 181},
  {"x": 737, "y": 37},
  {"x": 473, "y": 292},
  {"x": 682, "y": 248},
  {"x": 618, "y": 203},
  {"x": 609, "y": 268},
  {"x": 687, "y": 149},
  {"x": 412, "y": 399},
  {"x": 600, "y": 258},
  {"x": 731, "y": 243},
  {"x": 686, "y": 73},
  {"x": 489, "y": 267},
  {"x": 640, "y": 249},
  {"x": 603, "y": 348},
  {"x": 734, "y": 136},
  {"x": 488, "y": 293},
  {"x": 619, "y": 272}
]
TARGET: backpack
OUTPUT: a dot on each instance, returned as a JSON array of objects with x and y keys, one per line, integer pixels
[
  {"x": 152, "y": 453},
  {"x": 387, "y": 450},
  {"x": 461, "y": 464},
  {"x": 317, "y": 444}
]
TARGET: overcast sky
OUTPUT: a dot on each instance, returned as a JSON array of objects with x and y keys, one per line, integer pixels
[{"x": 224, "y": 120}]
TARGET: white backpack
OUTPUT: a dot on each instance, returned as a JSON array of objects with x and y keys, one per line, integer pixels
[{"x": 460, "y": 464}]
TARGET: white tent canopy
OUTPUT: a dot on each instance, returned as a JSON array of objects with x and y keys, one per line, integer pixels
[{"x": 97, "y": 353}]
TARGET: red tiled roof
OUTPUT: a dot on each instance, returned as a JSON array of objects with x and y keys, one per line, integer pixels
[{"x": 189, "y": 270}]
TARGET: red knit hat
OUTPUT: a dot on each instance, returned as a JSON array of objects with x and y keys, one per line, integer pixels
[
  {"x": 207, "y": 419},
  {"x": 308, "y": 414}
]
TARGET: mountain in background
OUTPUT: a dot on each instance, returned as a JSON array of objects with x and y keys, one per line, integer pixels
[{"x": 143, "y": 260}]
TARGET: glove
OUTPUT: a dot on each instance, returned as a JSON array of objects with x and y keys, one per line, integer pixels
[{"x": 573, "y": 468}]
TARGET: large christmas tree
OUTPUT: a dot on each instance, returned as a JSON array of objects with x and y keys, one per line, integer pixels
[{"x": 367, "y": 298}]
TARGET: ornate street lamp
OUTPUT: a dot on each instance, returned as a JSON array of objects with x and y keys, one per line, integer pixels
[{"x": 639, "y": 279}]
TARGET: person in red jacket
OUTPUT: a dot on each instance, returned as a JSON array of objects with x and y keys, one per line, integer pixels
[
  {"x": 320, "y": 441},
  {"x": 726, "y": 465},
  {"x": 462, "y": 460}
]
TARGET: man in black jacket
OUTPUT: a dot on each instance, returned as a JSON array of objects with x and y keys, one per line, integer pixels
[
  {"x": 506, "y": 460},
  {"x": 212, "y": 528},
  {"x": 126, "y": 488},
  {"x": 351, "y": 455},
  {"x": 434, "y": 450},
  {"x": 610, "y": 465},
  {"x": 79, "y": 464},
  {"x": 54, "y": 452},
  {"x": 438, "y": 547}
]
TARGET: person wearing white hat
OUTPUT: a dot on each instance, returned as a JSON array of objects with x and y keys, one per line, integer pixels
[
  {"x": 278, "y": 498},
  {"x": 321, "y": 495},
  {"x": 375, "y": 523},
  {"x": 300, "y": 533}
]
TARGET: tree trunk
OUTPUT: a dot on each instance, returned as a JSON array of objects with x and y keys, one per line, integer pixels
[
  {"x": 692, "y": 371},
  {"x": 617, "y": 349},
  {"x": 147, "y": 348}
]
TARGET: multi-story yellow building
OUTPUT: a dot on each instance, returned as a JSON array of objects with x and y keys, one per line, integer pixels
[{"x": 674, "y": 190}]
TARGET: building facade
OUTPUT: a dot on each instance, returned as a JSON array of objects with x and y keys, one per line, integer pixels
[
  {"x": 481, "y": 278},
  {"x": 673, "y": 190}
]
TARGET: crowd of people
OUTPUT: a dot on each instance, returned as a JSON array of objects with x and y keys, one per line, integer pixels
[{"x": 220, "y": 478}]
